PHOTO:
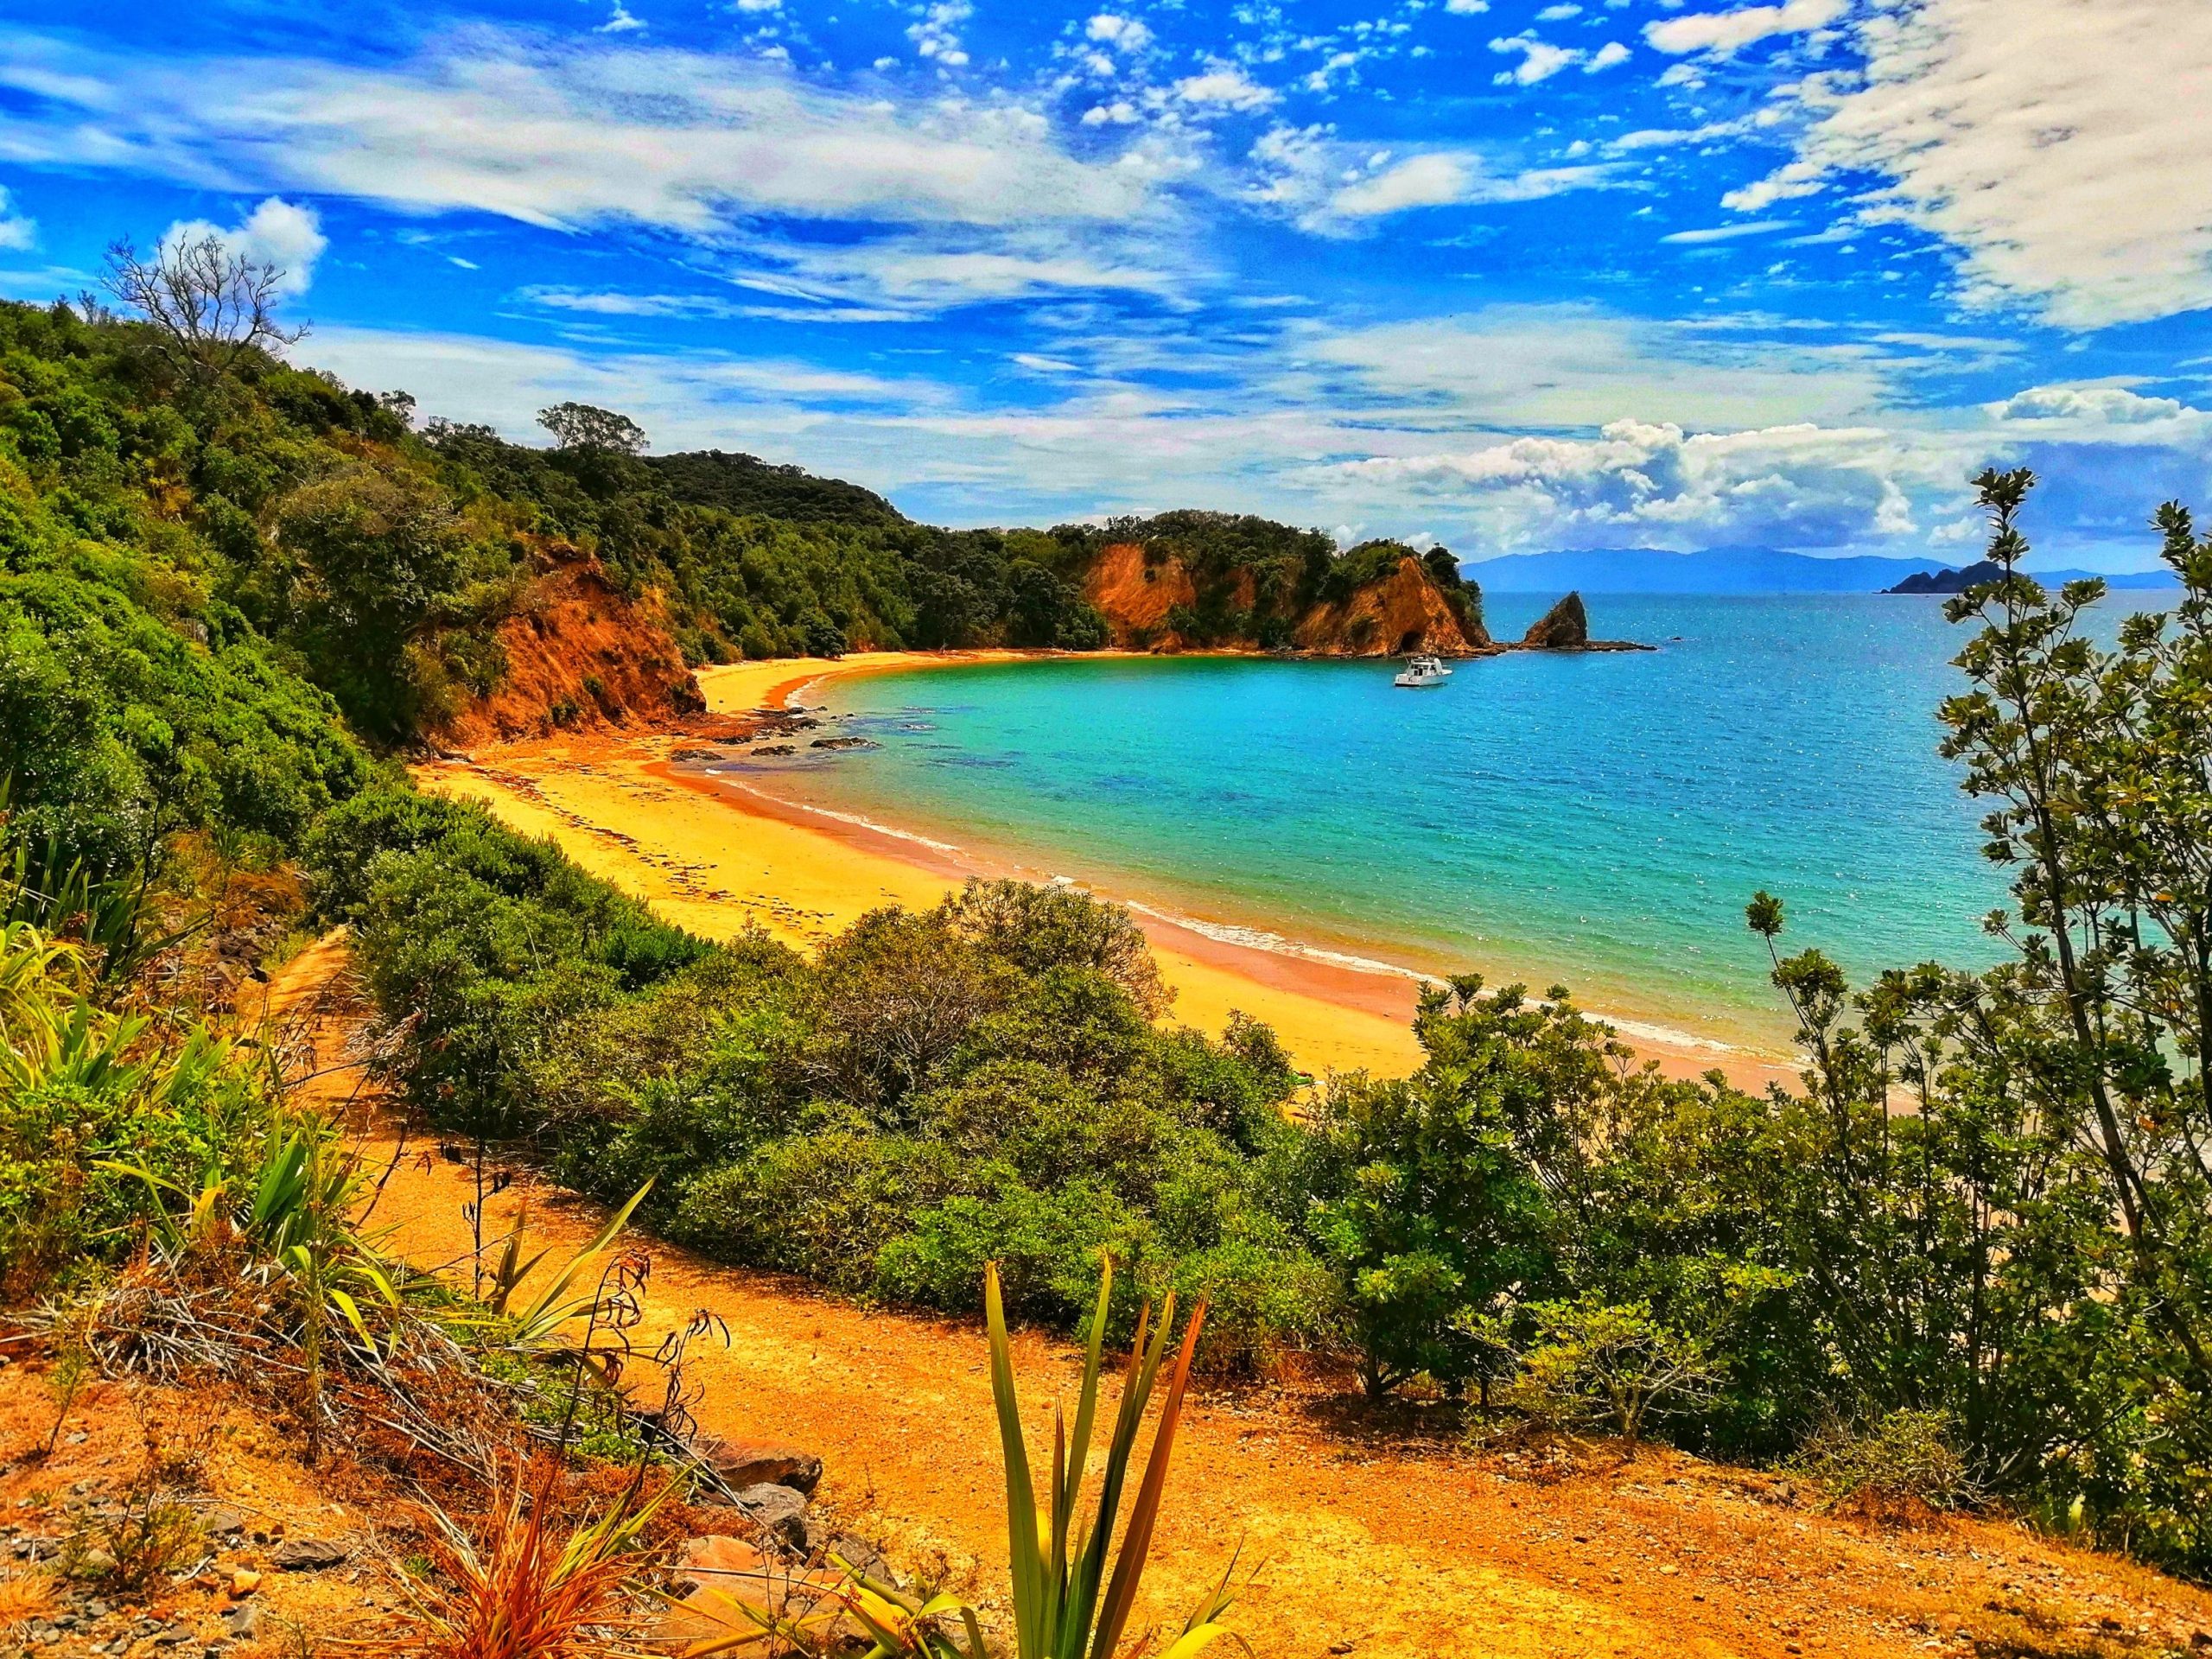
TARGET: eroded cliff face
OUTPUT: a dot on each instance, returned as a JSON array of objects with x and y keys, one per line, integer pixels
[
  {"x": 1136, "y": 597},
  {"x": 1404, "y": 611},
  {"x": 579, "y": 655}
]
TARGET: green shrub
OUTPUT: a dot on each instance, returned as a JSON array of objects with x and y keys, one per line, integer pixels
[
  {"x": 87, "y": 1099},
  {"x": 1902, "y": 1464}
]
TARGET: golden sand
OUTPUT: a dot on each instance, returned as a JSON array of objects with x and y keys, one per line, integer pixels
[{"x": 713, "y": 859}]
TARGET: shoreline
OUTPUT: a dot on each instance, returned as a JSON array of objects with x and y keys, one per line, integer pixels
[
  {"x": 715, "y": 854},
  {"x": 1366, "y": 983}
]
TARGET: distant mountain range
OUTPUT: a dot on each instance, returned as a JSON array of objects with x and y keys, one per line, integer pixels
[{"x": 1726, "y": 570}]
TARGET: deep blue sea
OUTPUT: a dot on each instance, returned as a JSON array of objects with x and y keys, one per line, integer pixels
[{"x": 1594, "y": 820}]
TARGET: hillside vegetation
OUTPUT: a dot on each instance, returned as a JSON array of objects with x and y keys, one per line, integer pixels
[{"x": 227, "y": 590}]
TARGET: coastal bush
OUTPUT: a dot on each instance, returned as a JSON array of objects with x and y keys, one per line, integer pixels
[
  {"x": 979, "y": 1082},
  {"x": 492, "y": 944}
]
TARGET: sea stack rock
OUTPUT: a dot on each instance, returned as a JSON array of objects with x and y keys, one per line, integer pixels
[{"x": 1566, "y": 627}]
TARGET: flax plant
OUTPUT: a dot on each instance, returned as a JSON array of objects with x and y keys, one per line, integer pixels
[{"x": 1065, "y": 1604}]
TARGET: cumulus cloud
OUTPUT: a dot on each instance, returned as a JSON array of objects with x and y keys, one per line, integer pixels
[
  {"x": 1226, "y": 86},
  {"x": 937, "y": 35},
  {"x": 1799, "y": 486},
  {"x": 278, "y": 232},
  {"x": 2103, "y": 412},
  {"x": 1539, "y": 60},
  {"x": 2054, "y": 143},
  {"x": 1722, "y": 32},
  {"x": 567, "y": 135},
  {"x": 1785, "y": 183},
  {"x": 1127, "y": 33},
  {"x": 1417, "y": 181}
]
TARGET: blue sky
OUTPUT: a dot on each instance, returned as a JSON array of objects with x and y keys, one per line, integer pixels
[{"x": 1511, "y": 276}]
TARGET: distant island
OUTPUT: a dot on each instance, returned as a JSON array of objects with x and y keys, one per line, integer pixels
[
  {"x": 1729, "y": 570},
  {"x": 1945, "y": 581}
]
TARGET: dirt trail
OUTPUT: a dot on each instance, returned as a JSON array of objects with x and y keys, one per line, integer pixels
[{"x": 1364, "y": 1547}]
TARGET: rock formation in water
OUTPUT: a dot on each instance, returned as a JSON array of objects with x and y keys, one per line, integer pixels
[{"x": 1566, "y": 627}]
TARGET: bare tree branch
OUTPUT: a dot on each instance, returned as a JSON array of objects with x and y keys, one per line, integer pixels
[{"x": 209, "y": 306}]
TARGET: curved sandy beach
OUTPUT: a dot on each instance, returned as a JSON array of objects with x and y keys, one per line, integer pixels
[{"x": 716, "y": 855}]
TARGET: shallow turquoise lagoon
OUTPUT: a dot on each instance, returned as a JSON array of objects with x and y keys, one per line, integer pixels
[{"x": 1597, "y": 820}]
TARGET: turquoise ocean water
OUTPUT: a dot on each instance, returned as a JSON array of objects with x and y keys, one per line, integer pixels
[{"x": 1595, "y": 820}]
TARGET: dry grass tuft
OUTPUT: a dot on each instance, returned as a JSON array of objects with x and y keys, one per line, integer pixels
[
  {"x": 511, "y": 1589},
  {"x": 25, "y": 1596}
]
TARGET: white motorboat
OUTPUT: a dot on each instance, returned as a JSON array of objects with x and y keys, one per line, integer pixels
[{"x": 1423, "y": 670}]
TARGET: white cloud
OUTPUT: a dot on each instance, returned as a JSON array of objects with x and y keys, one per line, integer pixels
[
  {"x": 937, "y": 36},
  {"x": 1465, "y": 8},
  {"x": 1559, "y": 13},
  {"x": 1785, "y": 183},
  {"x": 566, "y": 136},
  {"x": 2102, "y": 412},
  {"x": 277, "y": 233},
  {"x": 1329, "y": 187},
  {"x": 1611, "y": 53},
  {"x": 1560, "y": 366},
  {"x": 18, "y": 232},
  {"x": 1418, "y": 181},
  {"x": 1226, "y": 86},
  {"x": 1539, "y": 60},
  {"x": 1125, "y": 33},
  {"x": 942, "y": 277},
  {"x": 1728, "y": 233},
  {"x": 1669, "y": 137},
  {"x": 1802, "y": 485},
  {"x": 2059, "y": 145},
  {"x": 1723, "y": 32},
  {"x": 621, "y": 23}
]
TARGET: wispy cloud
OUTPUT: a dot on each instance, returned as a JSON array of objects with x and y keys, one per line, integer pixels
[
  {"x": 560, "y": 135},
  {"x": 2023, "y": 134},
  {"x": 1727, "y": 233},
  {"x": 1326, "y": 185}
]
